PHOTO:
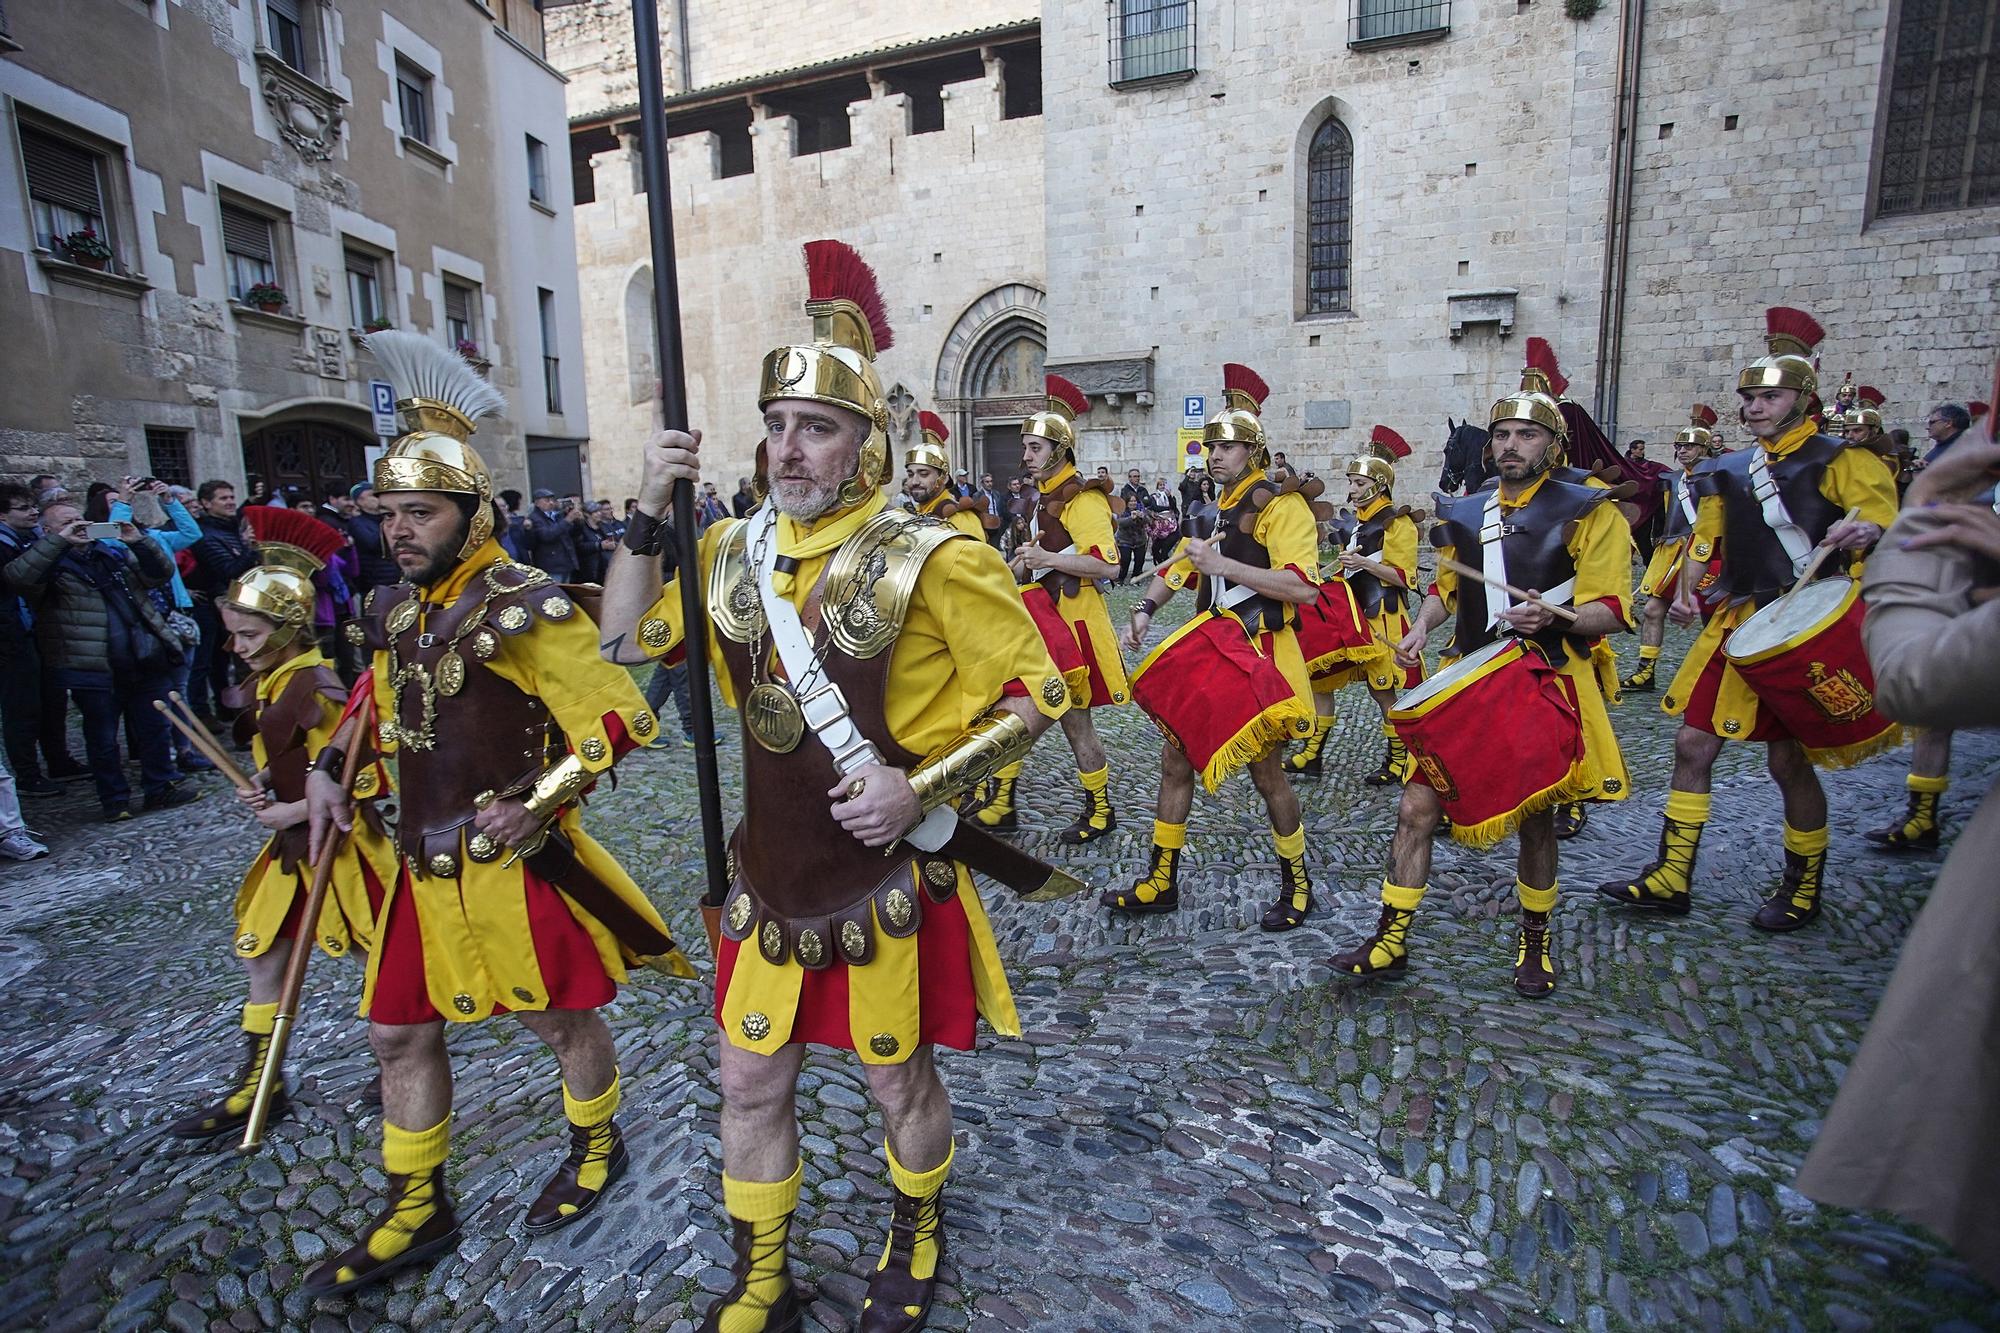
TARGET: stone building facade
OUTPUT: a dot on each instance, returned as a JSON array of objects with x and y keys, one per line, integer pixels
[
  {"x": 1373, "y": 203},
  {"x": 360, "y": 161}
]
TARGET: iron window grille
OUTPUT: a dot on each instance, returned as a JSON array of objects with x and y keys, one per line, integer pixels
[
  {"x": 1151, "y": 40},
  {"x": 167, "y": 455},
  {"x": 1396, "y": 22},
  {"x": 1329, "y": 220},
  {"x": 1941, "y": 132}
]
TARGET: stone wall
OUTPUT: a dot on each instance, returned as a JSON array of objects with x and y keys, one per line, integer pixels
[{"x": 944, "y": 218}]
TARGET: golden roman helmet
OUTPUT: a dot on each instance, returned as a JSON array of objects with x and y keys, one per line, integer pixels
[
  {"x": 1240, "y": 420},
  {"x": 929, "y": 450},
  {"x": 1791, "y": 335},
  {"x": 439, "y": 396},
  {"x": 1864, "y": 409},
  {"x": 1377, "y": 460},
  {"x": 1542, "y": 384},
  {"x": 850, "y": 328},
  {"x": 1700, "y": 430},
  {"x": 291, "y": 548},
  {"x": 1056, "y": 422}
]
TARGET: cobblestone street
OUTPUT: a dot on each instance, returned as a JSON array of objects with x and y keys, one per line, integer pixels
[{"x": 1199, "y": 1129}]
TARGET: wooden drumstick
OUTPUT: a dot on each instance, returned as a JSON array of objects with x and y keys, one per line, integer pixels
[
  {"x": 1387, "y": 573},
  {"x": 211, "y": 749},
  {"x": 1820, "y": 555},
  {"x": 1468, "y": 572}
]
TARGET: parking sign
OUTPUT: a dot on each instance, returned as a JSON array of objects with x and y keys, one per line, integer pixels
[
  {"x": 1194, "y": 410},
  {"x": 382, "y": 397}
]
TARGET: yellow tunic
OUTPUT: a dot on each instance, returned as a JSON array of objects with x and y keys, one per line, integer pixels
[
  {"x": 1668, "y": 557},
  {"x": 1392, "y": 622},
  {"x": 1087, "y": 519},
  {"x": 1289, "y": 533},
  {"x": 965, "y": 638},
  {"x": 1855, "y": 479},
  {"x": 268, "y": 892},
  {"x": 1601, "y": 548},
  {"x": 479, "y": 948},
  {"x": 964, "y": 520}
]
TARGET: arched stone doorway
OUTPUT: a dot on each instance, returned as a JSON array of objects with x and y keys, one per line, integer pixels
[
  {"x": 990, "y": 378},
  {"x": 313, "y": 454}
]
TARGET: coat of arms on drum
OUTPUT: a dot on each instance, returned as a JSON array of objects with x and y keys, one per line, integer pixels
[
  {"x": 1839, "y": 693},
  {"x": 1435, "y": 776}
]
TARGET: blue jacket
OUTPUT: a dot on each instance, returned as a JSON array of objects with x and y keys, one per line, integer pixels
[{"x": 181, "y": 533}]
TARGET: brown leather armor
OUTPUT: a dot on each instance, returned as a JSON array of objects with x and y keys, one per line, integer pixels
[
  {"x": 489, "y": 735},
  {"x": 1051, "y": 535},
  {"x": 1234, "y": 529},
  {"x": 804, "y": 886},
  {"x": 285, "y": 726},
  {"x": 1535, "y": 538}
]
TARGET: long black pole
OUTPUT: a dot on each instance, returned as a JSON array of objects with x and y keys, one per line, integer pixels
[{"x": 674, "y": 411}]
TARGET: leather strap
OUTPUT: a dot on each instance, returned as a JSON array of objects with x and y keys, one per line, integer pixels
[
  {"x": 1798, "y": 546},
  {"x": 555, "y": 861},
  {"x": 1493, "y": 558}
]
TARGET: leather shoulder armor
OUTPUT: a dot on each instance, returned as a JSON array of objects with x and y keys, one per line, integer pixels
[
  {"x": 872, "y": 576},
  {"x": 521, "y": 597}
]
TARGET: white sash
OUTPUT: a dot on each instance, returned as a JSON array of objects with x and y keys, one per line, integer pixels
[
  {"x": 1776, "y": 517},
  {"x": 820, "y": 699},
  {"x": 1684, "y": 493},
  {"x": 1493, "y": 561}
]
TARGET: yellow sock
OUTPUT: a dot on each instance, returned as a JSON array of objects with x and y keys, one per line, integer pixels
[
  {"x": 1534, "y": 899},
  {"x": 1649, "y": 652},
  {"x": 1173, "y": 837},
  {"x": 1915, "y": 782},
  {"x": 1096, "y": 780},
  {"x": 1291, "y": 846},
  {"x": 1805, "y": 842},
  {"x": 595, "y": 1116},
  {"x": 259, "y": 1019},
  {"x": 767, "y": 1206},
  {"x": 414, "y": 1154},
  {"x": 1401, "y": 897},
  {"x": 924, "y": 1255},
  {"x": 1688, "y": 807}
]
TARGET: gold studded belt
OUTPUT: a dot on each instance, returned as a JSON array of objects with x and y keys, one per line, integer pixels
[{"x": 894, "y": 905}]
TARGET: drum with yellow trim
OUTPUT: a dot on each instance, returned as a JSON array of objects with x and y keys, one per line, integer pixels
[
  {"x": 1496, "y": 735},
  {"x": 1217, "y": 698},
  {"x": 1333, "y": 632},
  {"x": 1803, "y": 658}
]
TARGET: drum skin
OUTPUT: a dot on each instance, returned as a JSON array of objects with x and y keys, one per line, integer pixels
[
  {"x": 1218, "y": 699},
  {"x": 1497, "y": 735},
  {"x": 1803, "y": 657}
]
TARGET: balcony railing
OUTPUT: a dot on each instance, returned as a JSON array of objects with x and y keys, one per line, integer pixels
[
  {"x": 1396, "y": 22},
  {"x": 1151, "y": 41}
]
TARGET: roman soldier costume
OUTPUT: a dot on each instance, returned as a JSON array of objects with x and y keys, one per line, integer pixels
[
  {"x": 1664, "y": 571},
  {"x": 866, "y": 635},
  {"x": 288, "y": 711},
  {"x": 1071, "y": 515},
  {"x": 1385, "y": 533},
  {"x": 1230, "y": 686},
  {"x": 966, "y": 513},
  {"x": 488, "y": 684},
  {"x": 1568, "y": 541},
  {"x": 1762, "y": 510}
]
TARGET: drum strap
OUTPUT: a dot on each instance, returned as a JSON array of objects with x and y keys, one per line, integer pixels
[
  {"x": 820, "y": 699},
  {"x": 1685, "y": 493},
  {"x": 1493, "y": 555},
  {"x": 1764, "y": 488}
]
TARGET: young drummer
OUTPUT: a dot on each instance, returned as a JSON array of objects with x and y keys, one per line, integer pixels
[{"x": 293, "y": 702}]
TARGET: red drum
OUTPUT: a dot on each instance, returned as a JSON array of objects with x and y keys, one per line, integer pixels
[
  {"x": 1802, "y": 656},
  {"x": 1217, "y": 699},
  {"x": 1496, "y": 735},
  {"x": 1332, "y": 631},
  {"x": 1060, "y": 641}
]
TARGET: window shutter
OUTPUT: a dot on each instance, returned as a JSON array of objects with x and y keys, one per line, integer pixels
[
  {"x": 59, "y": 172},
  {"x": 287, "y": 9},
  {"x": 245, "y": 233},
  {"x": 457, "y": 303},
  {"x": 362, "y": 264}
]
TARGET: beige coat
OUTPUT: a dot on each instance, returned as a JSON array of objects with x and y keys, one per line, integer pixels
[{"x": 1912, "y": 1129}]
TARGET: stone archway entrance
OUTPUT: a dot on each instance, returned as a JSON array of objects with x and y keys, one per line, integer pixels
[
  {"x": 990, "y": 378},
  {"x": 318, "y": 457}
]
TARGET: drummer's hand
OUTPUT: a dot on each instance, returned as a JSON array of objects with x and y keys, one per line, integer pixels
[
  {"x": 1852, "y": 534},
  {"x": 1410, "y": 650},
  {"x": 1030, "y": 553},
  {"x": 1202, "y": 553},
  {"x": 1135, "y": 632},
  {"x": 1683, "y": 610},
  {"x": 1528, "y": 617},
  {"x": 257, "y": 795},
  {"x": 1350, "y": 560},
  {"x": 1973, "y": 527},
  {"x": 885, "y": 810},
  {"x": 281, "y": 814}
]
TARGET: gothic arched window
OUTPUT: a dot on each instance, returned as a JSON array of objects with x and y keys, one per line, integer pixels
[{"x": 1329, "y": 220}]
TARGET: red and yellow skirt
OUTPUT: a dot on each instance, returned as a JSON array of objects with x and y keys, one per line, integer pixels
[
  {"x": 928, "y": 988},
  {"x": 271, "y": 903},
  {"x": 1663, "y": 572},
  {"x": 1223, "y": 698}
]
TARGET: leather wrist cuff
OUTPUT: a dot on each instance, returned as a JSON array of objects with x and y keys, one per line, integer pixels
[
  {"x": 646, "y": 535},
  {"x": 1148, "y": 605},
  {"x": 995, "y": 739},
  {"x": 331, "y": 761},
  {"x": 556, "y": 788}
]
